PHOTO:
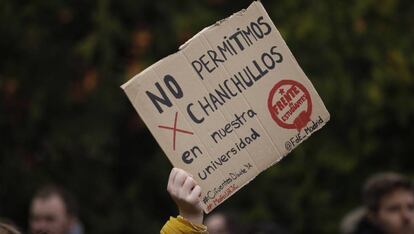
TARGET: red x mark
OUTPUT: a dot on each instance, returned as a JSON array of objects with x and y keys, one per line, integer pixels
[{"x": 175, "y": 129}]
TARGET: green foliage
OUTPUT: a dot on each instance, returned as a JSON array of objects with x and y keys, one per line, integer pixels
[{"x": 64, "y": 118}]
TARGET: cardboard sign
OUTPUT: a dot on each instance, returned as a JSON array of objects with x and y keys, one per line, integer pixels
[{"x": 230, "y": 103}]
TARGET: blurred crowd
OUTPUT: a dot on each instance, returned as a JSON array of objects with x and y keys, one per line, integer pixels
[{"x": 387, "y": 207}]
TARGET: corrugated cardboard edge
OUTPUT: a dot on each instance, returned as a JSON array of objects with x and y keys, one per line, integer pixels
[{"x": 218, "y": 23}]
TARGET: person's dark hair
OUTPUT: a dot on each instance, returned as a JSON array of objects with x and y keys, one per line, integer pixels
[
  {"x": 54, "y": 190},
  {"x": 379, "y": 185}
]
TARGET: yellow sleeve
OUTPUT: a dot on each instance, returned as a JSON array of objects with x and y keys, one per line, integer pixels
[{"x": 180, "y": 225}]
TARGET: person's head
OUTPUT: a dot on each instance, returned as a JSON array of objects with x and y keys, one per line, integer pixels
[
  {"x": 223, "y": 223},
  {"x": 266, "y": 227},
  {"x": 52, "y": 211},
  {"x": 389, "y": 200}
]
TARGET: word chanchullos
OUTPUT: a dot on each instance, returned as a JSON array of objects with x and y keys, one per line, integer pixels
[
  {"x": 233, "y": 86},
  {"x": 230, "y": 87}
]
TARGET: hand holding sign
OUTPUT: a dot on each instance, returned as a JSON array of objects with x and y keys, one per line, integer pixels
[{"x": 186, "y": 194}]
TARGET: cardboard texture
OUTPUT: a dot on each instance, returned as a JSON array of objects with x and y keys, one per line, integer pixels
[{"x": 230, "y": 103}]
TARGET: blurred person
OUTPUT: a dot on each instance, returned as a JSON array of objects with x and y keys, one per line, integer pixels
[
  {"x": 53, "y": 211},
  {"x": 186, "y": 194},
  {"x": 388, "y": 207},
  {"x": 266, "y": 227},
  {"x": 223, "y": 223},
  {"x": 353, "y": 220},
  {"x": 8, "y": 229}
]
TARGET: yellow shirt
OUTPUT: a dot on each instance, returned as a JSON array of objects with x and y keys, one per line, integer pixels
[{"x": 180, "y": 225}]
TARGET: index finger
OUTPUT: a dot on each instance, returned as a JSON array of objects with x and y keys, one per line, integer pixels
[{"x": 171, "y": 178}]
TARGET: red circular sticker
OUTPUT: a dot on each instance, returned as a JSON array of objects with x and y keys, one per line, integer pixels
[{"x": 290, "y": 104}]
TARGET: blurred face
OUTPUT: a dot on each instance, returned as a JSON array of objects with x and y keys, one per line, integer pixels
[
  {"x": 396, "y": 212},
  {"x": 48, "y": 215},
  {"x": 216, "y": 224}
]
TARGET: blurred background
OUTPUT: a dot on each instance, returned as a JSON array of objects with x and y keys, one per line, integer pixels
[{"x": 64, "y": 119}]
